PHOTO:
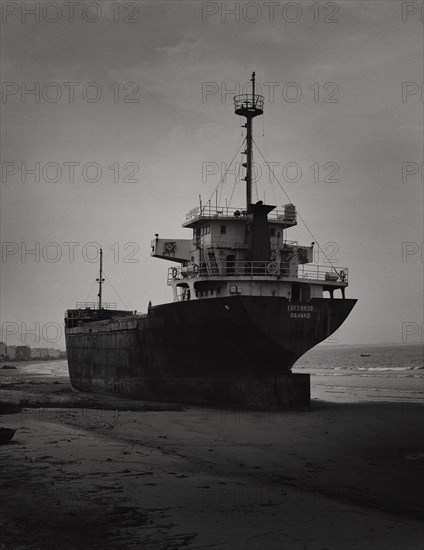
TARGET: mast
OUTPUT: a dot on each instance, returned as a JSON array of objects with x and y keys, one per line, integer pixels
[
  {"x": 249, "y": 152},
  {"x": 100, "y": 280},
  {"x": 249, "y": 106}
]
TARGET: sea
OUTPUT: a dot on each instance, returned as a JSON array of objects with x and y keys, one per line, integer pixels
[
  {"x": 390, "y": 359},
  {"x": 340, "y": 373},
  {"x": 352, "y": 373}
]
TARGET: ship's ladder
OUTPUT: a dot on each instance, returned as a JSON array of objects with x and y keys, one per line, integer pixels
[
  {"x": 207, "y": 259},
  {"x": 217, "y": 260},
  {"x": 212, "y": 260}
]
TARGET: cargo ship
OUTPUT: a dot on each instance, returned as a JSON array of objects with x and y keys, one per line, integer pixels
[{"x": 247, "y": 303}]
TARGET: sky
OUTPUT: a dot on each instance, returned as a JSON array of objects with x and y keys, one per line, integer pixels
[{"x": 131, "y": 118}]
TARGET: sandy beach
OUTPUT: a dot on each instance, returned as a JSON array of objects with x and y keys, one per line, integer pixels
[{"x": 94, "y": 472}]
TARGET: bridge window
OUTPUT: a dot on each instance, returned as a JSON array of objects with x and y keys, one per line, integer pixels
[{"x": 196, "y": 236}]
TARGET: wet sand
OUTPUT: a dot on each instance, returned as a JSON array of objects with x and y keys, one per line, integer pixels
[{"x": 94, "y": 472}]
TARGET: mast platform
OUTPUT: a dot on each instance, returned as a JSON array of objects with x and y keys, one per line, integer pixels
[{"x": 249, "y": 106}]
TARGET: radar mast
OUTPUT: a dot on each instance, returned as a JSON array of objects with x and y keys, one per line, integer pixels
[{"x": 249, "y": 106}]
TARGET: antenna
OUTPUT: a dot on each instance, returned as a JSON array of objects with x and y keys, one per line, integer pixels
[
  {"x": 100, "y": 280},
  {"x": 249, "y": 106}
]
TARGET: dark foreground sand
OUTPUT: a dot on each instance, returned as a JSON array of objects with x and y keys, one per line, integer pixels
[{"x": 90, "y": 472}]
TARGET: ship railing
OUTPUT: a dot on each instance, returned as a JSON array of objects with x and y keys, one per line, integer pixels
[
  {"x": 209, "y": 211},
  {"x": 326, "y": 273},
  {"x": 206, "y": 241},
  {"x": 287, "y": 215},
  {"x": 286, "y": 243},
  {"x": 95, "y": 305},
  {"x": 248, "y": 102},
  {"x": 227, "y": 269}
]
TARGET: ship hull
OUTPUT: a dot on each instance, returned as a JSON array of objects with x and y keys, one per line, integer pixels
[{"x": 235, "y": 351}]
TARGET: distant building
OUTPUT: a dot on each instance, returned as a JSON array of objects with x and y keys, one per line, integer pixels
[
  {"x": 45, "y": 353},
  {"x": 40, "y": 353},
  {"x": 7, "y": 353},
  {"x": 11, "y": 353},
  {"x": 23, "y": 353}
]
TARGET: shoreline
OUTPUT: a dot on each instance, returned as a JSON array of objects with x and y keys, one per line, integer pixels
[
  {"x": 330, "y": 385},
  {"x": 86, "y": 471}
]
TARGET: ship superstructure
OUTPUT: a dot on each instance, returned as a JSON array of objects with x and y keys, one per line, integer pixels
[{"x": 243, "y": 251}]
